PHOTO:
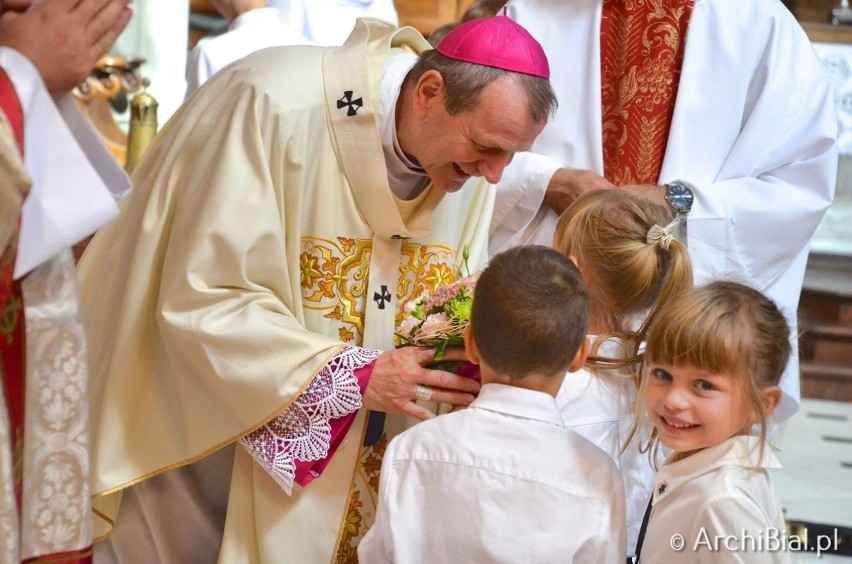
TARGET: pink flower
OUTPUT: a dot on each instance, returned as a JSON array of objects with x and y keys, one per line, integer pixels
[
  {"x": 442, "y": 295},
  {"x": 436, "y": 325},
  {"x": 408, "y": 325}
]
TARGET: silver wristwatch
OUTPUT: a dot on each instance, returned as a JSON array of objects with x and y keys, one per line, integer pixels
[{"x": 680, "y": 198}]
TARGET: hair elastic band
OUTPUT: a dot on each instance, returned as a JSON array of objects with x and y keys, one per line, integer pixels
[{"x": 662, "y": 236}]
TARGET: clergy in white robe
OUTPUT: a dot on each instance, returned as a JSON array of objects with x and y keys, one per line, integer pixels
[
  {"x": 752, "y": 134},
  {"x": 274, "y": 233},
  {"x": 248, "y": 32},
  {"x": 283, "y": 22},
  {"x": 329, "y": 22}
]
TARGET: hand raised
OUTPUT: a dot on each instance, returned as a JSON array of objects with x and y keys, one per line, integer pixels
[{"x": 64, "y": 38}]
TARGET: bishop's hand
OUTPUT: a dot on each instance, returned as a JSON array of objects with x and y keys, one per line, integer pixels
[{"x": 400, "y": 376}]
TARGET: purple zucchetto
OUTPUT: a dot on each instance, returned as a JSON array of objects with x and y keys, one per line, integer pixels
[{"x": 496, "y": 42}]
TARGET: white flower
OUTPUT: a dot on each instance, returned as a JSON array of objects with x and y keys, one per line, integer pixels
[{"x": 407, "y": 326}]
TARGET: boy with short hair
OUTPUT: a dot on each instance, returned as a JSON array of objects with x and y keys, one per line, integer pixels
[{"x": 503, "y": 480}]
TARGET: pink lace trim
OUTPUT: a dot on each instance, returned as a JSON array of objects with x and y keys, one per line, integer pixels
[{"x": 303, "y": 430}]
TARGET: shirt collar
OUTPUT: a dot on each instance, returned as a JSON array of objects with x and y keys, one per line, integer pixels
[
  {"x": 518, "y": 402},
  {"x": 742, "y": 451}
]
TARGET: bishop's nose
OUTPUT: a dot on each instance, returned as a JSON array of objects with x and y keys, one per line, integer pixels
[{"x": 491, "y": 168}]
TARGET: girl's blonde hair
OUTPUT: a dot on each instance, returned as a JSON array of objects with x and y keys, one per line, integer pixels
[
  {"x": 607, "y": 231},
  {"x": 724, "y": 328}
]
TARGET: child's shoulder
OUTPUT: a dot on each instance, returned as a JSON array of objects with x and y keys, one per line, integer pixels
[
  {"x": 733, "y": 484},
  {"x": 747, "y": 502},
  {"x": 732, "y": 474},
  {"x": 441, "y": 428},
  {"x": 593, "y": 472},
  {"x": 583, "y": 451}
]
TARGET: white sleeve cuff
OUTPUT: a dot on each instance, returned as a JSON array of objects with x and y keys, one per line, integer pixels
[{"x": 519, "y": 215}]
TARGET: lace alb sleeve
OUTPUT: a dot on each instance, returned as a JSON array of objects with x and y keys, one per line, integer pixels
[{"x": 303, "y": 431}]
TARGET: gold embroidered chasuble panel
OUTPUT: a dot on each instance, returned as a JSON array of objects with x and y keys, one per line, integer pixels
[{"x": 334, "y": 275}]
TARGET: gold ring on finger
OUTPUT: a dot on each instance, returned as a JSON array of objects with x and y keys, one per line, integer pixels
[{"x": 424, "y": 393}]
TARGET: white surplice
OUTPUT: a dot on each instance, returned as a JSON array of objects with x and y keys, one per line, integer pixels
[
  {"x": 249, "y": 32},
  {"x": 75, "y": 179},
  {"x": 329, "y": 22},
  {"x": 753, "y": 135},
  {"x": 285, "y": 22}
]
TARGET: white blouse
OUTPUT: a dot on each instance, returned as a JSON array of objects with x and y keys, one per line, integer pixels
[
  {"x": 600, "y": 406},
  {"x": 717, "y": 505}
]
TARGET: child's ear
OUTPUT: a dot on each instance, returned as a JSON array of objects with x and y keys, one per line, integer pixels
[
  {"x": 770, "y": 397},
  {"x": 470, "y": 346},
  {"x": 580, "y": 357}
]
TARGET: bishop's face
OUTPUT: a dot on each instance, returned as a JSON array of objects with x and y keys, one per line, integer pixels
[{"x": 478, "y": 142}]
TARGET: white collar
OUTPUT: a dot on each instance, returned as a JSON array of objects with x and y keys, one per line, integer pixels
[
  {"x": 741, "y": 451},
  {"x": 519, "y": 402},
  {"x": 406, "y": 178}
]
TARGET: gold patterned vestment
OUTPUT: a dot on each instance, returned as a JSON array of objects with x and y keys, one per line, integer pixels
[{"x": 260, "y": 239}]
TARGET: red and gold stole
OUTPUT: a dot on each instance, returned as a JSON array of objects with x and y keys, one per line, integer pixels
[
  {"x": 642, "y": 46},
  {"x": 12, "y": 349}
]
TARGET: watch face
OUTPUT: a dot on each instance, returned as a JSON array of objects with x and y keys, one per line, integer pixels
[{"x": 679, "y": 196}]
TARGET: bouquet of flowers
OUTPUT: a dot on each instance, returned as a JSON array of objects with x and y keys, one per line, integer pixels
[{"x": 439, "y": 320}]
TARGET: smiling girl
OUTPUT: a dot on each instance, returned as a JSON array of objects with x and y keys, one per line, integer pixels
[{"x": 714, "y": 358}]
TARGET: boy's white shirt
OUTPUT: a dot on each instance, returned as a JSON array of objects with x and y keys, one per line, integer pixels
[{"x": 500, "y": 481}]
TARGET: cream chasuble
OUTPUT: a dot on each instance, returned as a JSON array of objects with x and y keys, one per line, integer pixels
[{"x": 261, "y": 238}]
